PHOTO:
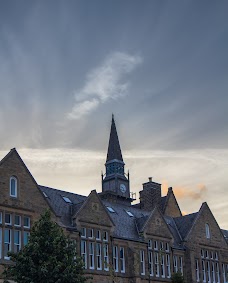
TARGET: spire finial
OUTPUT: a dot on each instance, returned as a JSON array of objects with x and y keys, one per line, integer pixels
[{"x": 112, "y": 116}]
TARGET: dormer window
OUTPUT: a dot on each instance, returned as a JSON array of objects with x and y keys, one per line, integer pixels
[
  {"x": 13, "y": 186},
  {"x": 207, "y": 228}
]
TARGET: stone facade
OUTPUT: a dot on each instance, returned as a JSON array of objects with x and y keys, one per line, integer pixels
[{"x": 118, "y": 242}]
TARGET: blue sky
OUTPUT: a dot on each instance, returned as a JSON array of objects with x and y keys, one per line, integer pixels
[{"x": 160, "y": 66}]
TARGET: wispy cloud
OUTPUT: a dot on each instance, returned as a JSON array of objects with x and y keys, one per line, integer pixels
[
  {"x": 195, "y": 194},
  {"x": 103, "y": 83}
]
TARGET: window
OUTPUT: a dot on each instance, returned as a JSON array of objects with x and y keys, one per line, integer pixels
[
  {"x": 151, "y": 270},
  {"x": 202, "y": 253},
  {"x": 129, "y": 213},
  {"x": 67, "y": 199},
  {"x": 161, "y": 246},
  {"x": 167, "y": 247},
  {"x": 98, "y": 254},
  {"x": 110, "y": 209},
  {"x": 98, "y": 234},
  {"x": 26, "y": 237},
  {"x": 204, "y": 271},
  {"x": 216, "y": 256},
  {"x": 0, "y": 242},
  {"x": 7, "y": 243},
  {"x": 26, "y": 222},
  {"x": 150, "y": 244},
  {"x": 207, "y": 228},
  {"x": 175, "y": 268},
  {"x": 168, "y": 273},
  {"x": 142, "y": 262},
  {"x": 115, "y": 258},
  {"x": 83, "y": 232},
  {"x": 206, "y": 253},
  {"x": 163, "y": 266},
  {"x": 156, "y": 262},
  {"x": 83, "y": 253},
  {"x": 181, "y": 265},
  {"x": 13, "y": 186},
  {"x": 106, "y": 259},
  {"x": 156, "y": 245},
  {"x": 105, "y": 236},
  {"x": 197, "y": 270},
  {"x": 91, "y": 255},
  {"x": 17, "y": 241},
  {"x": 213, "y": 272},
  {"x": 90, "y": 233},
  {"x": 122, "y": 260},
  {"x": 217, "y": 272},
  {"x": 208, "y": 272},
  {"x": 225, "y": 272},
  {"x": 17, "y": 220},
  {"x": 8, "y": 219},
  {"x": 0, "y": 217}
]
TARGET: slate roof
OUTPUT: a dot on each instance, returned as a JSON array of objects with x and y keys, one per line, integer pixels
[
  {"x": 225, "y": 234},
  {"x": 114, "y": 150},
  {"x": 184, "y": 223}
]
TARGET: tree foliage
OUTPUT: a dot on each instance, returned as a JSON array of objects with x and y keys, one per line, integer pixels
[
  {"x": 48, "y": 257},
  {"x": 177, "y": 277}
]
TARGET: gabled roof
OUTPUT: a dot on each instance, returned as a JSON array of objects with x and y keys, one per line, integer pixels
[
  {"x": 114, "y": 150},
  {"x": 185, "y": 223},
  {"x": 165, "y": 200}
]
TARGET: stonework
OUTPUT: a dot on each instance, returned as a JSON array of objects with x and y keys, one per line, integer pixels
[{"x": 118, "y": 242}]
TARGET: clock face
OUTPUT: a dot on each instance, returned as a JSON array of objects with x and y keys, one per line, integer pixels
[{"x": 123, "y": 188}]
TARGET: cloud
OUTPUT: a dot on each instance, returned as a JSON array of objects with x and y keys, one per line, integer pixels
[
  {"x": 104, "y": 83},
  {"x": 195, "y": 194}
]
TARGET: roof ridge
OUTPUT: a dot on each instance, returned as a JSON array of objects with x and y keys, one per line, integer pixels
[{"x": 62, "y": 191}]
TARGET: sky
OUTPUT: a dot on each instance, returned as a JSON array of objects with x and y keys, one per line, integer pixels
[{"x": 160, "y": 66}]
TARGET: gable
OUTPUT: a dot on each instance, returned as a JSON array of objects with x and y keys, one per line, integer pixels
[
  {"x": 171, "y": 207},
  {"x": 156, "y": 225},
  {"x": 29, "y": 196},
  {"x": 197, "y": 233},
  {"x": 93, "y": 212}
]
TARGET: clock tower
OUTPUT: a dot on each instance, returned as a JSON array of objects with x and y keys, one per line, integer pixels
[{"x": 115, "y": 183}]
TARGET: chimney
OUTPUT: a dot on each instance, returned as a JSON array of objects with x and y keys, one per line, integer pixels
[{"x": 150, "y": 196}]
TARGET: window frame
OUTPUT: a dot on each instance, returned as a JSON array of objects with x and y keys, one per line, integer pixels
[{"x": 13, "y": 178}]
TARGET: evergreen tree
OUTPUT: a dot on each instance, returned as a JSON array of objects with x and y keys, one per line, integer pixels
[
  {"x": 48, "y": 257},
  {"x": 177, "y": 277}
]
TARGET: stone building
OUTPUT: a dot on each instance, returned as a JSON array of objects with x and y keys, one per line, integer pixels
[{"x": 118, "y": 241}]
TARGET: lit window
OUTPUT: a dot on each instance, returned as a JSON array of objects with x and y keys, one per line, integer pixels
[
  {"x": 26, "y": 222},
  {"x": 17, "y": 220},
  {"x": 8, "y": 220},
  {"x": 122, "y": 260},
  {"x": 207, "y": 231},
  {"x": 142, "y": 262},
  {"x": 13, "y": 186},
  {"x": 115, "y": 258},
  {"x": 17, "y": 241},
  {"x": 110, "y": 209},
  {"x": 129, "y": 213},
  {"x": 67, "y": 199}
]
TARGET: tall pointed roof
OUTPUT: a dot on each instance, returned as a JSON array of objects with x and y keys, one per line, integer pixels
[{"x": 114, "y": 150}]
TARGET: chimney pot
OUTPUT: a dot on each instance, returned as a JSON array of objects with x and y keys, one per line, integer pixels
[{"x": 150, "y": 179}]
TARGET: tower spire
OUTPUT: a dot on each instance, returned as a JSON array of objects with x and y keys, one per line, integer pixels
[{"x": 114, "y": 150}]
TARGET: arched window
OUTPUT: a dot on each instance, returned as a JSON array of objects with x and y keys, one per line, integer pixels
[
  {"x": 13, "y": 186},
  {"x": 208, "y": 235}
]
